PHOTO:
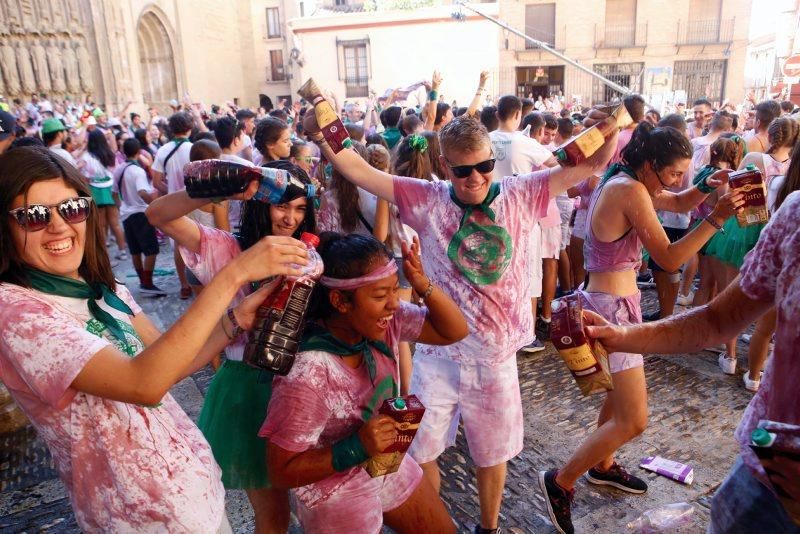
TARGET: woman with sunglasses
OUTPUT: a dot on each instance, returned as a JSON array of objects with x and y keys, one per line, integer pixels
[
  {"x": 620, "y": 221},
  {"x": 92, "y": 372},
  {"x": 237, "y": 399}
]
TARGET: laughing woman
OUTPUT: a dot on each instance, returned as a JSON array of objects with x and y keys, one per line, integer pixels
[
  {"x": 91, "y": 371},
  {"x": 322, "y": 421}
]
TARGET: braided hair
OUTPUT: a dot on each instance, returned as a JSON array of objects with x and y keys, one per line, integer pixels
[{"x": 782, "y": 132}]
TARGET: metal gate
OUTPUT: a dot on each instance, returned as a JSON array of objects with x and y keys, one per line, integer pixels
[
  {"x": 625, "y": 74},
  {"x": 700, "y": 79}
]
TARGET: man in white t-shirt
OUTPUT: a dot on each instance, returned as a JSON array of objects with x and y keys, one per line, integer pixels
[
  {"x": 231, "y": 134},
  {"x": 135, "y": 193},
  {"x": 167, "y": 173},
  {"x": 248, "y": 120},
  {"x": 53, "y": 134},
  {"x": 517, "y": 153}
]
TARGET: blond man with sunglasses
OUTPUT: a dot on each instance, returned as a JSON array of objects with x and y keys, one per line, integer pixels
[{"x": 475, "y": 234}]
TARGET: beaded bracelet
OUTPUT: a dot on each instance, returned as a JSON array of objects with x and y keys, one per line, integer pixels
[
  {"x": 428, "y": 291},
  {"x": 713, "y": 223}
]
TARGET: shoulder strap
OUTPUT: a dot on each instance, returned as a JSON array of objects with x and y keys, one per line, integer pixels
[
  {"x": 121, "y": 177},
  {"x": 177, "y": 146},
  {"x": 364, "y": 221}
]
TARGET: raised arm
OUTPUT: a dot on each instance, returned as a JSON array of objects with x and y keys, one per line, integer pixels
[
  {"x": 433, "y": 98},
  {"x": 564, "y": 178},
  {"x": 691, "y": 197},
  {"x": 476, "y": 100}
]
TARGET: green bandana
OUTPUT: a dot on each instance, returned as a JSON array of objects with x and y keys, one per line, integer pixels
[
  {"x": 68, "y": 287},
  {"x": 616, "y": 169},
  {"x": 703, "y": 173},
  {"x": 317, "y": 338},
  {"x": 392, "y": 136},
  {"x": 482, "y": 252}
]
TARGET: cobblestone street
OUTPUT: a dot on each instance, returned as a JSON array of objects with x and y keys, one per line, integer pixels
[{"x": 694, "y": 409}]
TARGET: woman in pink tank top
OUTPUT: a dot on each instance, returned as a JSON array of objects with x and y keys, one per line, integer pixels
[{"x": 621, "y": 220}]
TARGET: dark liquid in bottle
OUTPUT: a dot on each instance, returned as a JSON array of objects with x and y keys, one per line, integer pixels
[{"x": 213, "y": 178}]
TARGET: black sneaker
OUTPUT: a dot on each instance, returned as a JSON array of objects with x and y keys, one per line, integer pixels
[
  {"x": 152, "y": 290},
  {"x": 542, "y": 329},
  {"x": 480, "y": 530},
  {"x": 617, "y": 477},
  {"x": 558, "y": 501}
]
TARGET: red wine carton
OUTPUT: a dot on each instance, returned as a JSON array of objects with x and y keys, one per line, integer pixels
[{"x": 407, "y": 413}]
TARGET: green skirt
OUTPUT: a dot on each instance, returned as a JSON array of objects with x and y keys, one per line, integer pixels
[
  {"x": 733, "y": 245},
  {"x": 233, "y": 412},
  {"x": 102, "y": 196}
]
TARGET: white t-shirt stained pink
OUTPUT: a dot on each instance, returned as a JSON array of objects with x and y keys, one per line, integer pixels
[
  {"x": 498, "y": 322},
  {"x": 127, "y": 468},
  {"x": 516, "y": 153},
  {"x": 322, "y": 400}
]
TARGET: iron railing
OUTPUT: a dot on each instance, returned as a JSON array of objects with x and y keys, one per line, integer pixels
[
  {"x": 712, "y": 31},
  {"x": 620, "y": 36}
]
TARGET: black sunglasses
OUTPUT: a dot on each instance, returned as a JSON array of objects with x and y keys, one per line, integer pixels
[
  {"x": 462, "y": 171},
  {"x": 36, "y": 217}
]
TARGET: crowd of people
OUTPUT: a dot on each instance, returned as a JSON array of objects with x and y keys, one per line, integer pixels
[{"x": 448, "y": 229}]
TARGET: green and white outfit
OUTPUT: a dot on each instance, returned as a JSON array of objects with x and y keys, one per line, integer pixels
[
  {"x": 236, "y": 402},
  {"x": 100, "y": 180}
]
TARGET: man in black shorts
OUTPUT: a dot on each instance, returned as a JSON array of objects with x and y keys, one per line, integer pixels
[{"x": 135, "y": 193}]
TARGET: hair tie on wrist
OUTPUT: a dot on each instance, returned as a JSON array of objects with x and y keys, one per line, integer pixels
[{"x": 418, "y": 142}]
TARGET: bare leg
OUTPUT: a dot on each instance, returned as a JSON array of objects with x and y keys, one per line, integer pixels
[
  {"x": 423, "y": 512},
  {"x": 549, "y": 277},
  {"x": 180, "y": 268},
  {"x": 667, "y": 292},
  {"x": 564, "y": 272},
  {"x": 431, "y": 472},
  {"x": 705, "y": 291},
  {"x": 576, "y": 260},
  {"x": 102, "y": 219},
  {"x": 689, "y": 270},
  {"x": 116, "y": 227},
  {"x": 628, "y": 404},
  {"x": 271, "y": 509},
  {"x": 491, "y": 481},
  {"x": 759, "y": 344}
]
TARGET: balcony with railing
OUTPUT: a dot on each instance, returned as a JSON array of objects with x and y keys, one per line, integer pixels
[
  {"x": 620, "y": 36},
  {"x": 702, "y": 32}
]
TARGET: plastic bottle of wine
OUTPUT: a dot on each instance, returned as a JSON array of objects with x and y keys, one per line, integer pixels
[
  {"x": 216, "y": 178},
  {"x": 273, "y": 342}
]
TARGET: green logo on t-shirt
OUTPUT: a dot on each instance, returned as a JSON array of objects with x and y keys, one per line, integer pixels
[
  {"x": 481, "y": 252},
  {"x": 131, "y": 346}
]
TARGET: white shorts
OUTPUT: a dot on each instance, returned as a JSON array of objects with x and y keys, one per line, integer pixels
[
  {"x": 486, "y": 398},
  {"x": 551, "y": 242},
  {"x": 535, "y": 262},
  {"x": 565, "y": 208}
]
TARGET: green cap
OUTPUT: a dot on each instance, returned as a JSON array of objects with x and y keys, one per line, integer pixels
[
  {"x": 400, "y": 404},
  {"x": 97, "y": 112},
  {"x": 52, "y": 125},
  {"x": 761, "y": 437}
]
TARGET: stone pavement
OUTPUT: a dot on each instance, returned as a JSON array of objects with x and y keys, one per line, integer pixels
[{"x": 694, "y": 409}]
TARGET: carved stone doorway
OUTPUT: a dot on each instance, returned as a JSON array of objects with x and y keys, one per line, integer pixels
[{"x": 159, "y": 81}]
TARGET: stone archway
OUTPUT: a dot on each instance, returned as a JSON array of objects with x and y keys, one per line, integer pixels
[{"x": 159, "y": 80}]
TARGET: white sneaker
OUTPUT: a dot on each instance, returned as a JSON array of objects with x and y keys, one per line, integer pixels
[
  {"x": 751, "y": 385},
  {"x": 685, "y": 300},
  {"x": 728, "y": 365},
  {"x": 122, "y": 255}
]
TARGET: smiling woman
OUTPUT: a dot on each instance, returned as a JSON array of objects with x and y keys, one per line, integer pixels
[{"x": 91, "y": 371}]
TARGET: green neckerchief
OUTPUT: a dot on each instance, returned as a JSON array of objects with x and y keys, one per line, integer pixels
[
  {"x": 69, "y": 287},
  {"x": 180, "y": 140},
  {"x": 392, "y": 136},
  {"x": 494, "y": 190},
  {"x": 704, "y": 172},
  {"x": 133, "y": 162},
  {"x": 616, "y": 169},
  {"x": 316, "y": 337}
]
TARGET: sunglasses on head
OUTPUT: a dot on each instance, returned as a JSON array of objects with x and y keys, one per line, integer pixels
[
  {"x": 36, "y": 217},
  {"x": 462, "y": 171}
]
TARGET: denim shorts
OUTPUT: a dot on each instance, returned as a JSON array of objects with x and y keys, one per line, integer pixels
[{"x": 743, "y": 505}]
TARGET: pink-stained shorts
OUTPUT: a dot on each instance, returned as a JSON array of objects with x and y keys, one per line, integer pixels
[
  {"x": 551, "y": 242},
  {"x": 359, "y": 504},
  {"x": 486, "y": 398},
  {"x": 579, "y": 228},
  {"x": 621, "y": 311}
]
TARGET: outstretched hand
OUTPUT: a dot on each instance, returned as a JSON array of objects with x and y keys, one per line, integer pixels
[
  {"x": 412, "y": 266},
  {"x": 272, "y": 256},
  {"x": 719, "y": 178},
  {"x": 597, "y": 327}
]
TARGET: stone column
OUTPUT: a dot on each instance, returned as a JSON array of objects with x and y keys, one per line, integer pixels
[{"x": 26, "y": 74}]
